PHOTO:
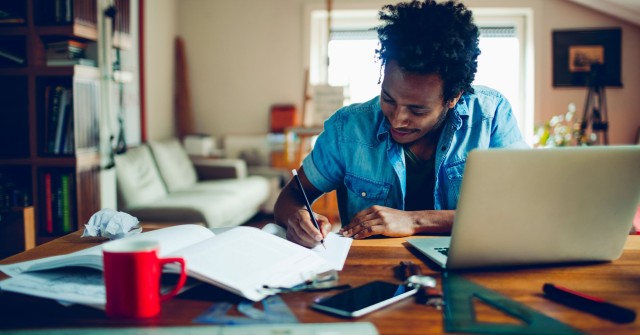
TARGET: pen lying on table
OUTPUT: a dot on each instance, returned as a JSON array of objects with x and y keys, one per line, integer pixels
[{"x": 588, "y": 304}]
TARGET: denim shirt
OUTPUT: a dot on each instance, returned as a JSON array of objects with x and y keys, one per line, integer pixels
[{"x": 356, "y": 155}]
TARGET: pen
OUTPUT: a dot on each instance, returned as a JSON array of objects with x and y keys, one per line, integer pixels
[
  {"x": 588, "y": 304},
  {"x": 306, "y": 203}
]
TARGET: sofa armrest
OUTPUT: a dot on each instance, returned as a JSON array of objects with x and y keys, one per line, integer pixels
[{"x": 219, "y": 168}]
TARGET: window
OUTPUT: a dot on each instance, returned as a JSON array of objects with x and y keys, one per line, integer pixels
[{"x": 349, "y": 59}]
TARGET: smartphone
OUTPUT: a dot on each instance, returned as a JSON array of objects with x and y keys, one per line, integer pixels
[{"x": 364, "y": 299}]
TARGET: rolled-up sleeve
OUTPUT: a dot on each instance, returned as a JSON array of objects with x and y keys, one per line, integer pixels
[
  {"x": 324, "y": 166},
  {"x": 505, "y": 132}
]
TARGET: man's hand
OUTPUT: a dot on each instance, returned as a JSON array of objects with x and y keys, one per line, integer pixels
[
  {"x": 380, "y": 220},
  {"x": 302, "y": 231}
]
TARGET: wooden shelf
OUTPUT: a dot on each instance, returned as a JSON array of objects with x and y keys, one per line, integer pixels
[
  {"x": 89, "y": 33},
  {"x": 12, "y": 29},
  {"x": 57, "y": 112},
  {"x": 14, "y": 71},
  {"x": 75, "y": 70}
]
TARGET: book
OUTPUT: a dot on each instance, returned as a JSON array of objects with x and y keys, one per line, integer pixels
[
  {"x": 63, "y": 114},
  {"x": 57, "y": 199},
  {"x": 48, "y": 201},
  {"x": 67, "y": 145},
  {"x": 7, "y": 16},
  {"x": 241, "y": 260},
  {"x": 53, "y": 113},
  {"x": 11, "y": 57},
  {"x": 71, "y": 62},
  {"x": 66, "y": 212},
  {"x": 12, "y": 20}
]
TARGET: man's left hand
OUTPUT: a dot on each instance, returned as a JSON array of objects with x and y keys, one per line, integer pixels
[{"x": 380, "y": 220}]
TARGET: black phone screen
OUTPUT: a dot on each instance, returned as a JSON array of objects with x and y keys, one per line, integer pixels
[{"x": 365, "y": 298}]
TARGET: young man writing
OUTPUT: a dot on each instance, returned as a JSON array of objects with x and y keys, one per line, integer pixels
[{"x": 397, "y": 160}]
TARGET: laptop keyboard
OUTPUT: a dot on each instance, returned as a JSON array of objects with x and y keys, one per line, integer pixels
[{"x": 444, "y": 251}]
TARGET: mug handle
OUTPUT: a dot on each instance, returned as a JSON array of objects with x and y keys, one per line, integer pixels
[{"x": 181, "y": 280}]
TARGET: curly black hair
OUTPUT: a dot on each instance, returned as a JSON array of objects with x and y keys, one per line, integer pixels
[{"x": 426, "y": 37}]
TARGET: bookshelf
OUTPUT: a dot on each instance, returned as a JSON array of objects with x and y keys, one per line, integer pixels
[{"x": 50, "y": 87}]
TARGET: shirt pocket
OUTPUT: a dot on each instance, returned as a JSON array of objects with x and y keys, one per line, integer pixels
[
  {"x": 454, "y": 172},
  {"x": 366, "y": 190}
]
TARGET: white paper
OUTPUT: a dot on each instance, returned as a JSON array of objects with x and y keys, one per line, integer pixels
[
  {"x": 337, "y": 246},
  {"x": 84, "y": 287},
  {"x": 111, "y": 224},
  {"x": 336, "y": 251}
]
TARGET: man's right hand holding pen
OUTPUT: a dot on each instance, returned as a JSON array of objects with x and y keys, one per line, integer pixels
[
  {"x": 301, "y": 229},
  {"x": 292, "y": 212}
]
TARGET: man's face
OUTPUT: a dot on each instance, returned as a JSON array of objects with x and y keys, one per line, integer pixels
[{"x": 412, "y": 103}]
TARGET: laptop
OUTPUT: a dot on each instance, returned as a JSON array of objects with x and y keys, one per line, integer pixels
[{"x": 540, "y": 206}]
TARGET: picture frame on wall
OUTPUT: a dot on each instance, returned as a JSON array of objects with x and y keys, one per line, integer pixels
[{"x": 575, "y": 50}]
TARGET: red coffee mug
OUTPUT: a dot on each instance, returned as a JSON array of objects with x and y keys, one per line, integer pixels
[{"x": 132, "y": 273}]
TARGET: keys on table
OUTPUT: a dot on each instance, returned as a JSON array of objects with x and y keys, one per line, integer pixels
[{"x": 428, "y": 293}]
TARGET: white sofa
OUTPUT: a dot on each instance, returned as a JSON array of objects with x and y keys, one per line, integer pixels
[{"x": 158, "y": 182}]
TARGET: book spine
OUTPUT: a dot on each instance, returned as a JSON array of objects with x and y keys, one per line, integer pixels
[
  {"x": 48, "y": 203},
  {"x": 57, "y": 209},
  {"x": 67, "y": 122},
  {"x": 58, "y": 11},
  {"x": 66, "y": 213},
  {"x": 53, "y": 119},
  {"x": 11, "y": 57},
  {"x": 68, "y": 140},
  {"x": 62, "y": 114},
  {"x": 68, "y": 11}
]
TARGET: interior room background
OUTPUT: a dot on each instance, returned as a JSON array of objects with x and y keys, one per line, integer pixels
[{"x": 245, "y": 56}]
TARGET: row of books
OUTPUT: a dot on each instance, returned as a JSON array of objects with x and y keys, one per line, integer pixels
[
  {"x": 9, "y": 14},
  {"x": 59, "y": 201},
  {"x": 67, "y": 53},
  {"x": 64, "y": 53},
  {"x": 13, "y": 193},
  {"x": 68, "y": 11},
  {"x": 58, "y": 132},
  {"x": 51, "y": 12}
]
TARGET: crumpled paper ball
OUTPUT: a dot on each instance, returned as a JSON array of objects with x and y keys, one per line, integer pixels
[{"x": 111, "y": 224}]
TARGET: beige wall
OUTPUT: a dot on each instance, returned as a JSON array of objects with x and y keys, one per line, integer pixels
[
  {"x": 160, "y": 29},
  {"x": 244, "y": 56}
]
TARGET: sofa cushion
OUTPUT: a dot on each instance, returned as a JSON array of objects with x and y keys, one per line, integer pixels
[
  {"x": 219, "y": 203},
  {"x": 174, "y": 164},
  {"x": 138, "y": 178}
]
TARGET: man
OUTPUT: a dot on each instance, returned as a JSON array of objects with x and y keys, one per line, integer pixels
[{"x": 397, "y": 160}]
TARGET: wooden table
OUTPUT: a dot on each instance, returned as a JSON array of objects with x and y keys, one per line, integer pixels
[{"x": 618, "y": 282}]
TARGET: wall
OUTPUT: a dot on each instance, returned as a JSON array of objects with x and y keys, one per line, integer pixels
[
  {"x": 160, "y": 29},
  {"x": 244, "y": 56},
  {"x": 624, "y": 118}
]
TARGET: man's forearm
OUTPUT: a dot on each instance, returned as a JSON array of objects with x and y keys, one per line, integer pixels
[
  {"x": 435, "y": 222},
  {"x": 286, "y": 205}
]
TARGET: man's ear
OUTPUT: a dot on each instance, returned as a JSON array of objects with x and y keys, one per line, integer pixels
[{"x": 452, "y": 103}]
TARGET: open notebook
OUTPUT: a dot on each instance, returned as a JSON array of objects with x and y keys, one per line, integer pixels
[
  {"x": 240, "y": 260},
  {"x": 541, "y": 206}
]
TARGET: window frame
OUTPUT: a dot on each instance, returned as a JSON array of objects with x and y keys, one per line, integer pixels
[{"x": 342, "y": 17}]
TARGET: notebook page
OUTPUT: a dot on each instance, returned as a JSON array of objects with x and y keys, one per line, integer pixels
[
  {"x": 244, "y": 259},
  {"x": 92, "y": 257},
  {"x": 337, "y": 246}
]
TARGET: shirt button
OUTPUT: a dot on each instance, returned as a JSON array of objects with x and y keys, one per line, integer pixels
[{"x": 363, "y": 194}]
